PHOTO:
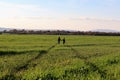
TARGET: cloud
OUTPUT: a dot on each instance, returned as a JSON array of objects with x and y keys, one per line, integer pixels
[
  {"x": 82, "y": 24},
  {"x": 15, "y": 10},
  {"x": 37, "y": 17}
]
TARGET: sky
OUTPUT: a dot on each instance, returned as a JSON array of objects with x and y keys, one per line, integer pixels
[{"x": 82, "y": 15}]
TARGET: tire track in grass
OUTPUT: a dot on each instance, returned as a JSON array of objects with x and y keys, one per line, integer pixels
[
  {"x": 11, "y": 76},
  {"x": 92, "y": 67},
  {"x": 78, "y": 55},
  {"x": 11, "y": 53},
  {"x": 80, "y": 71},
  {"x": 41, "y": 53}
]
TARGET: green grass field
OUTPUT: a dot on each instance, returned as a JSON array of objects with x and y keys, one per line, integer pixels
[{"x": 39, "y": 57}]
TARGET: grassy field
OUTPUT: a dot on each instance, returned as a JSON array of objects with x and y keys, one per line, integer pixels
[{"x": 39, "y": 57}]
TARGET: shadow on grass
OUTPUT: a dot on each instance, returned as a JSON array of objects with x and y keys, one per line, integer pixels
[
  {"x": 2, "y": 53},
  {"x": 115, "y": 46},
  {"x": 9, "y": 77},
  {"x": 113, "y": 61},
  {"x": 85, "y": 45}
]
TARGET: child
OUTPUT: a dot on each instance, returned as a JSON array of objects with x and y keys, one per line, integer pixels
[
  {"x": 59, "y": 40},
  {"x": 63, "y": 40}
]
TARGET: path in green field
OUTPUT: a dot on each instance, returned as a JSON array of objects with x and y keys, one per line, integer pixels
[
  {"x": 91, "y": 65},
  {"x": 42, "y": 52},
  {"x": 25, "y": 66}
]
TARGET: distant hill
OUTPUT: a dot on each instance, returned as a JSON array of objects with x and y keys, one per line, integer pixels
[
  {"x": 105, "y": 30},
  {"x": 2, "y": 29}
]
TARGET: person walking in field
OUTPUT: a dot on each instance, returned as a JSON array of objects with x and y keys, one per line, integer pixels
[
  {"x": 59, "y": 40},
  {"x": 63, "y": 40}
]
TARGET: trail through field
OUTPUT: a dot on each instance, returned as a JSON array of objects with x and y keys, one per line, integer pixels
[
  {"x": 81, "y": 56},
  {"x": 41, "y": 53},
  {"x": 77, "y": 54},
  {"x": 92, "y": 67},
  {"x": 25, "y": 66}
]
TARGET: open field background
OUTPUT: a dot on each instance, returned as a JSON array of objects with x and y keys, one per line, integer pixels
[{"x": 34, "y": 57}]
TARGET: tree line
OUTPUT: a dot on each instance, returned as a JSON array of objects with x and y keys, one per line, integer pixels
[{"x": 59, "y": 32}]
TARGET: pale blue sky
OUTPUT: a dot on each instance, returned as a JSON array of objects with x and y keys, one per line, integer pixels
[
  {"x": 92, "y": 14},
  {"x": 88, "y": 8}
]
